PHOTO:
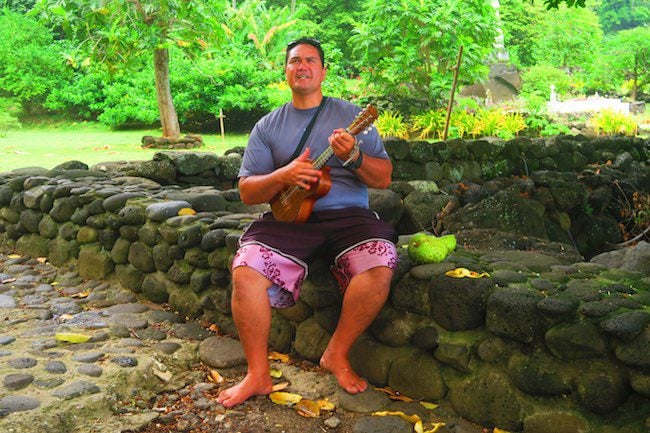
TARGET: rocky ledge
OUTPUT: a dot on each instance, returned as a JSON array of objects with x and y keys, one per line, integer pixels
[{"x": 548, "y": 342}]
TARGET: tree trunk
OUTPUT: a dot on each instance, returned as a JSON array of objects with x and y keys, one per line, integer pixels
[{"x": 168, "y": 117}]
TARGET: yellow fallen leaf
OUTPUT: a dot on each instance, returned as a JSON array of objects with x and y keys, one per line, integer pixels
[
  {"x": 285, "y": 398},
  {"x": 41, "y": 259},
  {"x": 498, "y": 430},
  {"x": 276, "y": 356},
  {"x": 275, "y": 373},
  {"x": 429, "y": 406},
  {"x": 417, "y": 427},
  {"x": 307, "y": 408},
  {"x": 65, "y": 317},
  {"x": 14, "y": 256},
  {"x": 436, "y": 426},
  {"x": 186, "y": 211},
  {"x": 214, "y": 328},
  {"x": 215, "y": 376},
  {"x": 71, "y": 337},
  {"x": 280, "y": 386},
  {"x": 55, "y": 283},
  {"x": 81, "y": 294},
  {"x": 326, "y": 405},
  {"x": 464, "y": 272},
  {"x": 410, "y": 418}
]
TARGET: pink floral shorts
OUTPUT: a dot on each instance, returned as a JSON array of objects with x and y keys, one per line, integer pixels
[{"x": 287, "y": 273}]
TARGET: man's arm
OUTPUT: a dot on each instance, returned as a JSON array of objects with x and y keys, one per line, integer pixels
[
  {"x": 262, "y": 188},
  {"x": 373, "y": 172}
]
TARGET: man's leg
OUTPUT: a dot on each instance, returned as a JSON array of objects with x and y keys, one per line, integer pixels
[
  {"x": 252, "y": 313},
  {"x": 362, "y": 301}
]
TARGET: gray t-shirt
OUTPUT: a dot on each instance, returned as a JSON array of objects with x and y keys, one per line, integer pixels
[{"x": 275, "y": 137}]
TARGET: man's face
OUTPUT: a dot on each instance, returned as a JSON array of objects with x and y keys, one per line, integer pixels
[{"x": 304, "y": 70}]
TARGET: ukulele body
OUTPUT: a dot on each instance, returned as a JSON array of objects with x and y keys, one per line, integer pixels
[{"x": 294, "y": 204}]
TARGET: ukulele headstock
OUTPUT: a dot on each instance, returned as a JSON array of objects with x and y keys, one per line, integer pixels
[{"x": 363, "y": 120}]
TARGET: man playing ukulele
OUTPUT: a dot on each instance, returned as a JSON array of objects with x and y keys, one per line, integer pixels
[{"x": 272, "y": 259}]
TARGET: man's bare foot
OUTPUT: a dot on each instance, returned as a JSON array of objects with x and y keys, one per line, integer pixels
[
  {"x": 341, "y": 369},
  {"x": 247, "y": 388}
]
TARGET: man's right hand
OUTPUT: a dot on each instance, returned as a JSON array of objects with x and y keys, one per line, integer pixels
[{"x": 300, "y": 172}]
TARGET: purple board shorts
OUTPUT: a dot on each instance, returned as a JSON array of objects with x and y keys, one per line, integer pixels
[{"x": 354, "y": 239}]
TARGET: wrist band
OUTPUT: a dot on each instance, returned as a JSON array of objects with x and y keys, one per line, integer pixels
[
  {"x": 353, "y": 154},
  {"x": 356, "y": 164}
]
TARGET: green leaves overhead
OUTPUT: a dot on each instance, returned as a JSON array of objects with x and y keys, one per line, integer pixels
[{"x": 408, "y": 48}]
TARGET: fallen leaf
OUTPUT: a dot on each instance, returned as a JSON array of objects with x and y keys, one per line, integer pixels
[
  {"x": 280, "y": 386},
  {"x": 410, "y": 418},
  {"x": 308, "y": 408},
  {"x": 187, "y": 211},
  {"x": 326, "y": 405},
  {"x": 65, "y": 317},
  {"x": 275, "y": 373},
  {"x": 498, "y": 430},
  {"x": 429, "y": 406},
  {"x": 285, "y": 398},
  {"x": 465, "y": 273},
  {"x": 8, "y": 280},
  {"x": 14, "y": 256},
  {"x": 81, "y": 294},
  {"x": 214, "y": 328},
  {"x": 276, "y": 356},
  {"x": 71, "y": 337},
  {"x": 41, "y": 259},
  {"x": 436, "y": 426},
  {"x": 215, "y": 376},
  {"x": 394, "y": 395}
]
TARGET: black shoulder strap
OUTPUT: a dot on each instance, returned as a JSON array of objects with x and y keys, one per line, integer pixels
[{"x": 305, "y": 134}]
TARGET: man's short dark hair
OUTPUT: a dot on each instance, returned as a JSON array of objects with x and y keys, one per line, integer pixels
[{"x": 309, "y": 41}]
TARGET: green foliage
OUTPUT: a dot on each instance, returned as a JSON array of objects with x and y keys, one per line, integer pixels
[
  {"x": 625, "y": 57},
  {"x": 391, "y": 124},
  {"x": 538, "y": 121},
  {"x": 9, "y": 109},
  {"x": 536, "y": 81},
  {"x": 30, "y": 63},
  {"x": 461, "y": 123},
  {"x": 610, "y": 122},
  {"x": 495, "y": 122},
  {"x": 568, "y": 38},
  {"x": 407, "y": 48},
  {"x": 617, "y": 15},
  {"x": 520, "y": 24},
  {"x": 429, "y": 124}
]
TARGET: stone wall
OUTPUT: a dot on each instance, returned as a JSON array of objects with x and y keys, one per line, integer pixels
[{"x": 546, "y": 343}]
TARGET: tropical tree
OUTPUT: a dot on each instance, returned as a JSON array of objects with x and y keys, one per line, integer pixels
[
  {"x": 625, "y": 58},
  {"x": 568, "y": 38},
  {"x": 520, "y": 29},
  {"x": 616, "y": 15},
  {"x": 115, "y": 32},
  {"x": 408, "y": 48}
]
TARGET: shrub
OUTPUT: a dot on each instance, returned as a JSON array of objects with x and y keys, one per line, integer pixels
[
  {"x": 429, "y": 124},
  {"x": 538, "y": 79},
  {"x": 391, "y": 124},
  {"x": 610, "y": 122},
  {"x": 9, "y": 109},
  {"x": 461, "y": 123}
]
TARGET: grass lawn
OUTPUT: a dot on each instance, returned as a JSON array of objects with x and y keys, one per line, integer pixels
[{"x": 49, "y": 145}]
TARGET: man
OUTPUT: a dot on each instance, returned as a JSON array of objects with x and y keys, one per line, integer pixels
[{"x": 271, "y": 262}]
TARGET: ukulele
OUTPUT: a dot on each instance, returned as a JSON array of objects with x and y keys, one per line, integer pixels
[{"x": 294, "y": 203}]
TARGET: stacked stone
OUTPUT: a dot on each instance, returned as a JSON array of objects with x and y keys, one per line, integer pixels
[
  {"x": 546, "y": 337},
  {"x": 485, "y": 159}
]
